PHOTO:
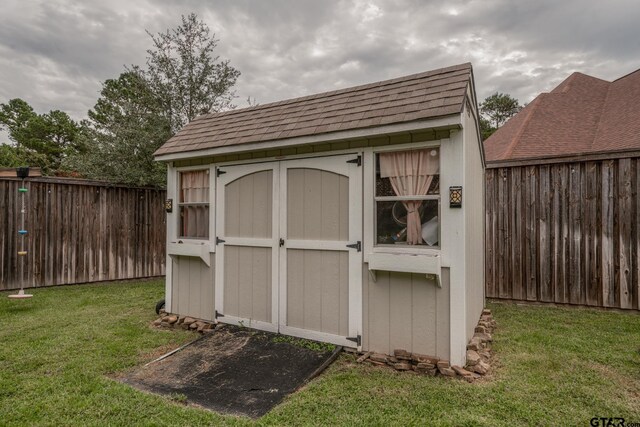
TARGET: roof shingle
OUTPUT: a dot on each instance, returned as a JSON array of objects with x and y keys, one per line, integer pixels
[
  {"x": 583, "y": 115},
  {"x": 421, "y": 96}
]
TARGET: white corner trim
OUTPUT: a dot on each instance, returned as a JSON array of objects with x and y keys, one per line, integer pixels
[{"x": 443, "y": 122}]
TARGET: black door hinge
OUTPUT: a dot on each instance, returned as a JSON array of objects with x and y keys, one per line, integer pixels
[
  {"x": 281, "y": 242},
  {"x": 356, "y": 339},
  {"x": 357, "y": 160},
  {"x": 220, "y": 172},
  {"x": 218, "y": 314},
  {"x": 219, "y": 240},
  {"x": 356, "y": 245}
]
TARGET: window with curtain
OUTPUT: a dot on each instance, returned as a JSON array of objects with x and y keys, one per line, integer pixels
[
  {"x": 407, "y": 198},
  {"x": 193, "y": 204}
]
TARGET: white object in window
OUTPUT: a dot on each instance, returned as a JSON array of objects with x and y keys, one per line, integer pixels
[
  {"x": 193, "y": 204},
  {"x": 407, "y": 197}
]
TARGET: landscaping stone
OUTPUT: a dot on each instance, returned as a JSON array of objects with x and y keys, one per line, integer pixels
[
  {"x": 364, "y": 357},
  {"x": 422, "y": 358},
  {"x": 168, "y": 320},
  {"x": 475, "y": 344},
  {"x": 402, "y": 354},
  {"x": 425, "y": 366},
  {"x": 379, "y": 358},
  {"x": 484, "y": 337},
  {"x": 481, "y": 329},
  {"x": 443, "y": 364},
  {"x": 481, "y": 367},
  {"x": 472, "y": 357},
  {"x": 447, "y": 372},
  {"x": 461, "y": 371}
]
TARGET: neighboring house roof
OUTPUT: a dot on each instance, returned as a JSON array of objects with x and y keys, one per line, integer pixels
[
  {"x": 427, "y": 95},
  {"x": 583, "y": 116}
]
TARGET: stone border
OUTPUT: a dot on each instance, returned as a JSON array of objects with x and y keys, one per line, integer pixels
[
  {"x": 478, "y": 350},
  {"x": 478, "y": 356},
  {"x": 168, "y": 320}
]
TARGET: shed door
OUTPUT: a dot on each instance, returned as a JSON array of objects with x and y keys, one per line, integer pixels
[
  {"x": 287, "y": 227},
  {"x": 247, "y": 253},
  {"x": 320, "y": 276}
]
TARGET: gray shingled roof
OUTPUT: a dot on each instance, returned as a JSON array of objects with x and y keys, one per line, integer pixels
[{"x": 421, "y": 96}]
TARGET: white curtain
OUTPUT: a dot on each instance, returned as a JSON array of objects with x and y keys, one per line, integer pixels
[{"x": 411, "y": 173}]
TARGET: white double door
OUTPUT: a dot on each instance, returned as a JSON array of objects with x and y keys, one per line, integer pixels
[{"x": 288, "y": 257}]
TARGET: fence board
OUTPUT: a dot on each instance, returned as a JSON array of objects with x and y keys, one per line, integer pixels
[
  {"x": 81, "y": 231},
  {"x": 624, "y": 223},
  {"x": 565, "y": 233},
  {"x": 544, "y": 240},
  {"x": 531, "y": 290}
]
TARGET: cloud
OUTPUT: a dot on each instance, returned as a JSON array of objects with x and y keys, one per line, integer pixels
[{"x": 55, "y": 54}]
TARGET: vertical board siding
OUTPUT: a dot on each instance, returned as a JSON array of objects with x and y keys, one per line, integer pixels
[
  {"x": 406, "y": 311},
  {"x": 318, "y": 205},
  {"x": 81, "y": 232},
  {"x": 318, "y": 290},
  {"x": 247, "y": 282},
  {"x": 193, "y": 294},
  {"x": 564, "y": 233},
  {"x": 248, "y": 206}
]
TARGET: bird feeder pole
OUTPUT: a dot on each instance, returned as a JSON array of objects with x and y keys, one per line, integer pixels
[{"x": 22, "y": 173}]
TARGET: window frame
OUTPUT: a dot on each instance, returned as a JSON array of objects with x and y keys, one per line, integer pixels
[
  {"x": 370, "y": 199},
  {"x": 176, "y": 238}
]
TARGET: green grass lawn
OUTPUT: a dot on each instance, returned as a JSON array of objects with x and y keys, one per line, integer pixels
[{"x": 60, "y": 350}]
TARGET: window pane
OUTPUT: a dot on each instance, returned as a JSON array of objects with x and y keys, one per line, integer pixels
[
  {"x": 405, "y": 172},
  {"x": 194, "y": 186},
  {"x": 194, "y": 221},
  {"x": 391, "y": 222}
]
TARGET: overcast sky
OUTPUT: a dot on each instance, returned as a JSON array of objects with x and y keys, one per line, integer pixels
[{"x": 55, "y": 53}]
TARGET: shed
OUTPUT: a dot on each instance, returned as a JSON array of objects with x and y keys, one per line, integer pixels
[
  {"x": 562, "y": 212},
  {"x": 352, "y": 217}
]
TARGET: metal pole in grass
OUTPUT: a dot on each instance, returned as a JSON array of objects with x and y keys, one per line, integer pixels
[{"x": 22, "y": 173}]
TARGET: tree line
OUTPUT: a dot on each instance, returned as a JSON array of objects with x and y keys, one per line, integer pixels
[
  {"x": 135, "y": 114},
  {"x": 142, "y": 108}
]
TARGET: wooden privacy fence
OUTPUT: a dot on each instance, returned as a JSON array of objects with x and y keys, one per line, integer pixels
[
  {"x": 564, "y": 233},
  {"x": 81, "y": 231}
]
